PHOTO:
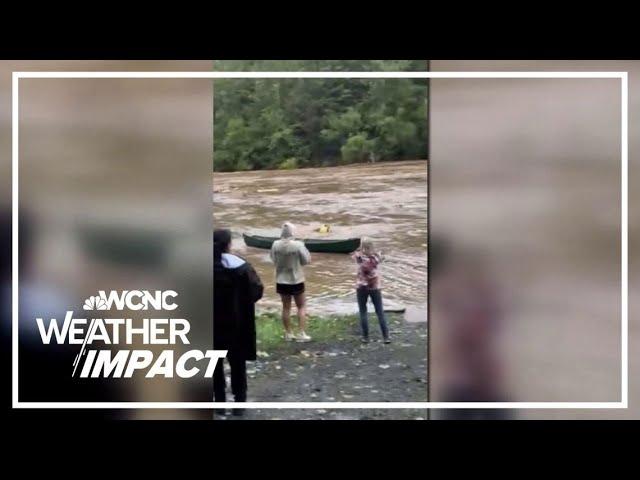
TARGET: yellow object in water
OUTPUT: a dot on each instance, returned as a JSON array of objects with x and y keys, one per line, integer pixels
[{"x": 324, "y": 228}]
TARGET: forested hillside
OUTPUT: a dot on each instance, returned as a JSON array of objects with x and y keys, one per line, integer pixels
[{"x": 295, "y": 123}]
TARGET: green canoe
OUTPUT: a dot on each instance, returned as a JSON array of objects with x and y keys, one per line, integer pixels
[{"x": 320, "y": 245}]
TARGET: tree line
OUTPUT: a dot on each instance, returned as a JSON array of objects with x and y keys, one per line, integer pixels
[{"x": 296, "y": 123}]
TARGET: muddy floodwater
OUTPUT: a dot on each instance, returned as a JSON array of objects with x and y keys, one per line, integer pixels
[{"x": 385, "y": 201}]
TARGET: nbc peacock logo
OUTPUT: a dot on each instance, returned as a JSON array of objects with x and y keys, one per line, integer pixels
[{"x": 95, "y": 302}]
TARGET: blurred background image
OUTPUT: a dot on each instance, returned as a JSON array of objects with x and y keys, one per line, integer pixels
[
  {"x": 525, "y": 236},
  {"x": 114, "y": 188}
]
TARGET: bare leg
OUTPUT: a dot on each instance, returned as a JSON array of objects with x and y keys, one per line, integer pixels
[
  {"x": 286, "y": 312},
  {"x": 301, "y": 304}
]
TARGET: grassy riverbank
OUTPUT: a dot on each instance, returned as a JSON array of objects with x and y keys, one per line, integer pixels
[
  {"x": 321, "y": 328},
  {"x": 269, "y": 329}
]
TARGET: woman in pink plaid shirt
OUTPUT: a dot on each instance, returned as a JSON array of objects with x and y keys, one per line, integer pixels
[{"x": 368, "y": 285}]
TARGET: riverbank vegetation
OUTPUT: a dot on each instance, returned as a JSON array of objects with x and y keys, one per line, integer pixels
[
  {"x": 295, "y": 123},
  {"x": 321, "y": 328}
]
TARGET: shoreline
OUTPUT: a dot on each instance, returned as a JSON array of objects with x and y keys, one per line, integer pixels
[{"x": 336, "y": 367}]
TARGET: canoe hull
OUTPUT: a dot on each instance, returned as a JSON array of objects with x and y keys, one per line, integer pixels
[{"x": 319, "y": 246}]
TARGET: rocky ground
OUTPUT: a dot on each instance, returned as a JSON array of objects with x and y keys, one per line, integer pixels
[{"x": 343, "y": 370}]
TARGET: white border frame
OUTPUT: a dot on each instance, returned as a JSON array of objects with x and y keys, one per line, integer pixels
[{"x": 623, "y": 76}]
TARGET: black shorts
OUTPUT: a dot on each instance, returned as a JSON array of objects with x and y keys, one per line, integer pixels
[{"x": 284, "y": 289}]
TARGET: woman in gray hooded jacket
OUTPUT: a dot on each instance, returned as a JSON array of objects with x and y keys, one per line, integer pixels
[{"x": 289, "y": 256}]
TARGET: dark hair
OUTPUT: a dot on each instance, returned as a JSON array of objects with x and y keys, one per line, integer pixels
[{"x": 221, "y": 243}]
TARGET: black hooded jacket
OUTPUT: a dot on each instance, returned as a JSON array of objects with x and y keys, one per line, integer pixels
[{"x": 237, "y": 287}]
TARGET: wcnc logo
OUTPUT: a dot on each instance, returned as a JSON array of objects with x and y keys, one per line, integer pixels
[{"x": 131, "y": 300}]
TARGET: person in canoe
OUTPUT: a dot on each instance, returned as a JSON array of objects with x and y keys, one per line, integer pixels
[
  {"x": 368, "y": 285},
  {"x": 289, "y": 256},
  {"x": 237, "y": 287}
]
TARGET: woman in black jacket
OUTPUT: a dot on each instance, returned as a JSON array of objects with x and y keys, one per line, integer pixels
[{"x": 237, "y": 287}]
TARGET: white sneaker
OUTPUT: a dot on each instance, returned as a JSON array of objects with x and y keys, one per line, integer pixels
[
  {"x": 303, "y": 337},
  {"x": 289, "y": 337}
]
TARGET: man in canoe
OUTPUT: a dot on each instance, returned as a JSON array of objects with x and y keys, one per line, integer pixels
[{"x": 289, "y": 256}]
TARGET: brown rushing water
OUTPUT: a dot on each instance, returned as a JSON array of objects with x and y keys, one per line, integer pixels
[{"x": 384, "y": 201}]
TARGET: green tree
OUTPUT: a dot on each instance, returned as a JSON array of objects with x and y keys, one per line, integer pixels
[{"x": 292, "y": 123}]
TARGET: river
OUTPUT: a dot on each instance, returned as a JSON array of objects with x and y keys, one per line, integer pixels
[{"x": 384, "y": 201}]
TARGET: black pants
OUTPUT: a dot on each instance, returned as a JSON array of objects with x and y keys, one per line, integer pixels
[{"x": 238, "y": 380}]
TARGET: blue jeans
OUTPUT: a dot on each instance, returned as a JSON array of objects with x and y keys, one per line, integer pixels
[{"x": 363, "y": 294}]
